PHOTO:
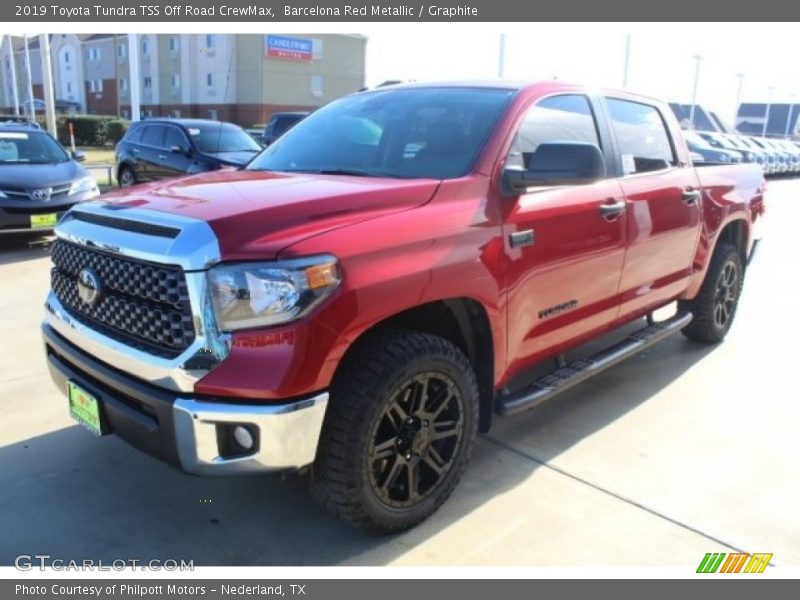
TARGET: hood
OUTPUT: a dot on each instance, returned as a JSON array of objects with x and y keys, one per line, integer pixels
[
  {"x": 34, "y": 176},
  {"x": 256, "y": 214},
  {"x": 239, "y": 158}
]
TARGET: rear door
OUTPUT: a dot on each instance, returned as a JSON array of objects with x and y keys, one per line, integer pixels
[
  {"x": 664, "y": 212},
  {"x": 565, "y": 244}
]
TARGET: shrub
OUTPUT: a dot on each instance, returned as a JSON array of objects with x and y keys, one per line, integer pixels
[{"x": 115, "y": 129}]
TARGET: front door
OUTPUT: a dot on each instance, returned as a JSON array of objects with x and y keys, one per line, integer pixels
[{"x": 565, "y": 245}]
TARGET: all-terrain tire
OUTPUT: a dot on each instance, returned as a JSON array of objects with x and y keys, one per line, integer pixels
[
  {"x": 374, "y": 399},
  {"x": 714, "y": 307}
]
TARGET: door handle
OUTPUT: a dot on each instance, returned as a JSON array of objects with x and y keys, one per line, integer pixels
[
  {"x": 162, "y": 157},
  {"x": 135, "y": 150},
  {"x": 691, "y": 196},
  {"x": 612, "y": 209}
]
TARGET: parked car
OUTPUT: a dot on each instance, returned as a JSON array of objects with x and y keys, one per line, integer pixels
[
  {"x": 279, "y": 124},
  {"x": 762, "y": 157},
  {"x": 39, "y": 180},
  {"x": 708, "y": 154},
  {"x": 158, "y": 148},
  {"x": 779, "y": 159},
  {"x": 61, "y": 106},
  {"x": 366, "y": 295},
  {"x": 792, "y": 151},
  {"x": 720, "y": 142}
]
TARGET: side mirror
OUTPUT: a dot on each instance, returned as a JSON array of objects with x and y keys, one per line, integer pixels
[
  {"x": 78, "y": 155},
  {"x": 556, "y": 163},
  {"x": 178, "y": 150}
]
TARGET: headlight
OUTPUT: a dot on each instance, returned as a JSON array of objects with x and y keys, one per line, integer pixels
[
  {"x": 87, "y": 184},
  {"x": 725, "y": 158},
  {"x": 246, "y": 295}
]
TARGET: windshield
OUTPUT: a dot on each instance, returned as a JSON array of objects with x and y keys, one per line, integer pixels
[
  {"x": 30, "y": 147},
  {"x": 222, "y": 137},
  {"x": 408, "y": 133}
]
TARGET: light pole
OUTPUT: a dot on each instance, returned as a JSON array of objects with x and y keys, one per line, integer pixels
[
  {"x": 740, "y": 77},
  {"x": 627, "y": 60},
  {"x": 30, "y": 76},
  {"x": 789, "y": 115},
  {"x": 766, "y": 116},
  {"x": 698, "y": 59},
  {"x": 501, "y": 57}
]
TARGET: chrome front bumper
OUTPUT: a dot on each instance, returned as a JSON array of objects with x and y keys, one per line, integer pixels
[
  {"x": 186, "y": 431},
  {"x": 288, "y": 435}
]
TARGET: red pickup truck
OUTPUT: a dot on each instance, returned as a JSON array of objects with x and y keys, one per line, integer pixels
[{"x": 373, "y": 289}]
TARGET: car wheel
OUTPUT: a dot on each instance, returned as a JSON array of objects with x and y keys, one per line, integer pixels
[
  {"x": 715, "y": 305},
  {"x": 126, "y": 177},
  {"x": 398, "y": 433}
]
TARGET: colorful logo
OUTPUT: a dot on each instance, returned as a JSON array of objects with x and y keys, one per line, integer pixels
[{"x": 736, "y": 562}]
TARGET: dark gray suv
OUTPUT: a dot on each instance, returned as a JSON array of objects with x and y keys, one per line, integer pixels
[{"x": 39, "y": 180}]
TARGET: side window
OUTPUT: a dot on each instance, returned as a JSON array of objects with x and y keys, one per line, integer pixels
[
  {"x": 175, "y": 137},
  {"x": 567, "y": 118},
  {"x": 153, "y": 135},
  {"x": 283, "y": 125},
  {"x": 134, "y": 134},
  {"x": 644, "y": 144}
]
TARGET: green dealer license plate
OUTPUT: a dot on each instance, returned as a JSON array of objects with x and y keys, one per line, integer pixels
[
  {"x": 47, "y": 221},
  {"x": 84, "y": 408}
]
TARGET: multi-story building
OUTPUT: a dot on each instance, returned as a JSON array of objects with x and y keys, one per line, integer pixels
[{"x": 236, "y": 77}]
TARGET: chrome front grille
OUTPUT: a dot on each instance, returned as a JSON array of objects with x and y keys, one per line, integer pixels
[{"x": 142, "y": 304}]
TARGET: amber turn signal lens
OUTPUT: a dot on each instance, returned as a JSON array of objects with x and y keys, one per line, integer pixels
[{"x": 320, "y": 276}]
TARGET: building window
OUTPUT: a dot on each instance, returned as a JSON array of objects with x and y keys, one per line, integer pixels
[
  {"x": 145, "y": 49},
  {"x": 209, "y": 79},
  {"x": 176, "y": 80},
  {"x": 316, "y": 86},
  {"x": 94, "y": 53},
  {"x": 96, "y": 86},
  {"x": 174, "y": 44},
  {"x": 122, "y": 50},
  {"x": 123, "y": 84},
  {"x": 148, "y": 82},
  {"x": 125, "y": 113},
  {"x": 213, "y": 114},
  {"x": 66, "y": 58},
  {"x": 176, "y": 113},
  {"x": 69, "y": 87},
  {"x": 211, "y": 40}
]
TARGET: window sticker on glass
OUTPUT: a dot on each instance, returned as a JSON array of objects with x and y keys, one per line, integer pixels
[
  {"x": 628, "y": 164},
  {"x": 194, "y": 131}
]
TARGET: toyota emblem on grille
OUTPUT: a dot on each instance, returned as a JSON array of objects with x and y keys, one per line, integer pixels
[
  {"x": 88, "y": 286},
  {"x": 42, "y": 194}
]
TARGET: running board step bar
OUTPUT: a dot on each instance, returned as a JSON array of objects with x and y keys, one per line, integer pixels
[{"x": 574, "y": 373}]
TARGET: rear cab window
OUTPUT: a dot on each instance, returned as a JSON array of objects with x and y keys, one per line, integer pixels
[{"x": 642, "y": 138}]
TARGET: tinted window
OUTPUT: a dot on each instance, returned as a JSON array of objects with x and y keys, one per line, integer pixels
[
  {"x": 643, "y": 141},
  {"x": 566, "y": 118},
  {"x": 175, "y": 137},
  {"x": 134, "y": 134},
  {"x": 422, "y": 132},
  {"x": 284, "y": 124},
  {"x": 222, "y": 137},
  {"x": 153, "y": 135}
]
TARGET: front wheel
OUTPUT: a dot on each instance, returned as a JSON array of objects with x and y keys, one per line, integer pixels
[
  {"x": 126, "y": 177},
  {"x": 398, "y": 433},
  {"x": 715, "y": 305}
]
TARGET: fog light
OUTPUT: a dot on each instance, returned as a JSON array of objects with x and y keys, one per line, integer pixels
[{"x": 243, "y": 437}]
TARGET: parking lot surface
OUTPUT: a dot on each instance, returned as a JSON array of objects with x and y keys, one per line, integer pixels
[{"x": 681, "y": 450}]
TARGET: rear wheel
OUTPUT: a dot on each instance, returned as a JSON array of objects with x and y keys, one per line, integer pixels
[
  {"x": 715, "y": 305},
  {"x": 398, "y": 433},
  {"x": 126, "y": 177}
]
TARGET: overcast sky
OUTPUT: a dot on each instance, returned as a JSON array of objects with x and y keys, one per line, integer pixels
[{"x": 661, "y": 62}]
